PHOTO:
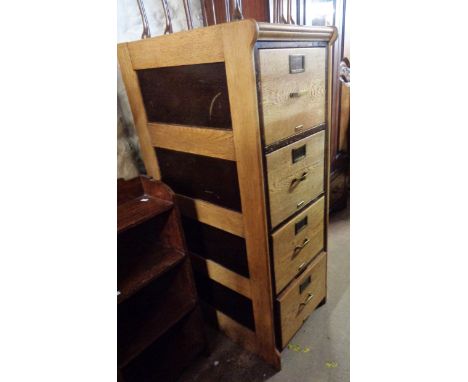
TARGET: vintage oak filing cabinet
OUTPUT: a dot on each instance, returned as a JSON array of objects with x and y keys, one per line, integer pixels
[{"x": 234, "y": 118}]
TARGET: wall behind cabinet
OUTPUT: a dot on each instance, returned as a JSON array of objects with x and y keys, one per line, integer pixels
[{"x": 129, "y": 28}]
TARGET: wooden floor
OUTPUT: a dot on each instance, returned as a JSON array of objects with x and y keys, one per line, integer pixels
[{"x": 318, "y": 352}]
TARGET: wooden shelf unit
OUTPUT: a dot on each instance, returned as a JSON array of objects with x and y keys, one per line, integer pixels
[
  {"x": 156, "y": 290},
  {"x": 234, "y": 118},
  {"x": 137, "y": 211},
  {"x": 146, "y": 268}
]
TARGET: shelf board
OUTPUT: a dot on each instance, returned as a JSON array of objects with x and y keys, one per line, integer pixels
[
  {"x": 145, "y": 268},
  {"x": 139, "y": 210},
  {"x": 152, "y": 329}
]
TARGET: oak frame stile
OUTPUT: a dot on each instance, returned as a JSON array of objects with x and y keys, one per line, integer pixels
[{"x": 234, "y": 44}]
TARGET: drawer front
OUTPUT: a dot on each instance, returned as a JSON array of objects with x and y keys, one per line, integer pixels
[
  {"x": 300, "y": 299},
  {"x": 295, "y": 244},
  {"x": 295, "y": 176},
  {"x": 293, "y": 90}
]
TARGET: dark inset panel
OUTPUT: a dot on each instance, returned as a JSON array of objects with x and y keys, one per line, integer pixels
[
  {"x": 231, "y": 303},
  {"x": 152, "y": 311},
  {"x": 188, "y": 95},
  {"x": 198, "y": 176},
  {"x": 169, "y": 355},
  {"x": 215, "y": 244}
]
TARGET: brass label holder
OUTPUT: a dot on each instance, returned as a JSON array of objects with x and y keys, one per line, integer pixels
[{"x": 296, "y": 63}]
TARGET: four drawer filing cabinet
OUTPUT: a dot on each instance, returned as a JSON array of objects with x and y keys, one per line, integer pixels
[{"x": 234, "y": 118}]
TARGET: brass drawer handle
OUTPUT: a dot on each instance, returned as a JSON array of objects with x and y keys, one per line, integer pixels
[
  {"x": 300, "y": 204},
  {"x": 299, "y": 248},
  {"x": 301, "y": 267},
  {"x": 298, "y": 94},
  {"x": 302, "y": 305},
  {"x": 310, "y": 296},
  {"x": 296, "y": 181},
  {"x": 300, "y": 127}
]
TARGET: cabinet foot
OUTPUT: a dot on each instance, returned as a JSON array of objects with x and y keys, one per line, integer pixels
[{"x": 323, "y": 302}]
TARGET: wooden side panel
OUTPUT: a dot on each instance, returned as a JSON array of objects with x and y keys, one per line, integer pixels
[
  {"x": 221, "y": 275},
  {"x": 132, "y": 86},
  {"x": 215, "y": 143},
  {"x": 218, "y": 245},
  {"x": 198, "y": 46},
  {"x": 295, "y": 176},
  {"x": 238, "y": 40},
  {"x": 201, "y": 177},
  {"x": 296, "y": 243},
  {"x": 194, "y": 95},
  {"x": 211, "y": 214},
  {"x": 292, "y": 102},
  {"x": 226, "y": 300}
]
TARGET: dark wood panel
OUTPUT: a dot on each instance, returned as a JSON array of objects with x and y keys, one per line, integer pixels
[
  {"x": 142, "y": 259},
  {"x": 201, "y": 177},
  {"x": 336, "y": 85},
  {"x": 217, "y": 245},
  {"x": 258, "y": 10},
  {"x": 165, "y": 360},
  {"x": 139, "y": 210},
  {"x": 128, "y": 189},
  {"x": 146, "y": 316},
  {"x": 231, "y": 303},
  {"x": 193, "y": 95}
]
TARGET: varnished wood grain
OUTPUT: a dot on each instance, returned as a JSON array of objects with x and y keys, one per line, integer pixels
[
  {"x": 238, "y": 39},
  {"x": 282, "y": 114},
  {"x": 154, "y": 276},
  {"x": 344, "y": 119},
  {"x": 214, "y": 143},
  {"x": 211, "y": 214},
  {"x": 232, "y": 43},
  {"x": 257, "y": 10},
  {"x": 198, "y": 46},
  {"x": 194, "y": 95},
  {"x": 222, "y": 275},
  {"x": 286, "y": 194},
  {"x": 141, "y": 262},
  {"x": 227, "y": 300},
  {"x": 295, "y": 306},
  {"x": 172, "y": 353},
  {"x": 138, "y": 110},
  {"x": 139, "y": 210},
  {"x": 148, "y": 314},
  {"x": 289, "y": 260},
  {"x": 217, "y": 245},
  {"x": 201, "y": 177}
]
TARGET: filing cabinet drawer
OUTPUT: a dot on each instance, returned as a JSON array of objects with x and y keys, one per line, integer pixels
[
  {"x": 300, "y": 299},
  {"x": 295, "y": 244},
  {"x": 293, "y": 90},
  {"x": 295, "y": 176}
]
